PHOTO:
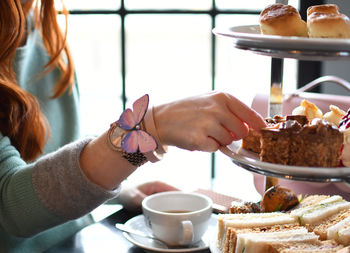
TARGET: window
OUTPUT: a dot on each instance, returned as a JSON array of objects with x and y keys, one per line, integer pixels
[{"x": 123, "y": 49}]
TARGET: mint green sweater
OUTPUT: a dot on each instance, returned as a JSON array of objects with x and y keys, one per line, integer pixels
[{"x": 46, "y": 201}]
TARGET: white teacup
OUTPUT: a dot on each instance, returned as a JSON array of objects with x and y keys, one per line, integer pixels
[{"x": 177, "y": 218}]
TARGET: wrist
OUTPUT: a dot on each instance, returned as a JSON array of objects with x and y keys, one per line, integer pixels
[{"x": 150, "y": 127}]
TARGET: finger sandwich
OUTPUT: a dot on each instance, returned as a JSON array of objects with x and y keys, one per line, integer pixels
[
  {"x": 328, "y": 246},
  {"x": 319, "y": 223},
  {"x": 335, "y": 227},
  {"x": 259, "y": 242},
  {"x": 234, "y": 233},
  {"x": 318, "y": 211},
  {"x": 248, "y": 221}
]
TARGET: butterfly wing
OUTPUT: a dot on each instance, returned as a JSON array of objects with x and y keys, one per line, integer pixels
[
  {"x": 140, "y": 107},
  {"x": 127, "y": 120},
  {"x": 130, "y": 142},
  {"x": 146, "y": 142},
  {"x": 138, "y": 140}
]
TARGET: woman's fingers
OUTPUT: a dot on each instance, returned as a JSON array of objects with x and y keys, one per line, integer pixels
[
  {"x": 155, "y": 187},
  {"x": 245, "y": 113},
  {"x": 210, "y": 145},
  {"x": 236, "y": 126},
  {"x": 210, "y": 138},
  {"x": 220, "y": 134}
]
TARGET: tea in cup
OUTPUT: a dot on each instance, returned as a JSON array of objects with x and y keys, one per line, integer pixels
[{"x": 177, "y": 218}]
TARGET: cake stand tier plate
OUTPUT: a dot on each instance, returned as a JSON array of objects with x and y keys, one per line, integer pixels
[
  {"x": 250, "y": 161},
  {"x": 248, "y": 37}
]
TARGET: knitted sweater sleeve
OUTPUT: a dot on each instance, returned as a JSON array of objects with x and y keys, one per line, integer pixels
[{"x": 44, "y": 194}]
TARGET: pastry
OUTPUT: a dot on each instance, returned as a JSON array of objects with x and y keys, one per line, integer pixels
[
  {"x": 335, "y": 115},
  {"x": 309, "y": 109},
  {"x": 323, "y": 8},
  {"x": 283, "y": 20},
  {"x": 328, "y": 25}
]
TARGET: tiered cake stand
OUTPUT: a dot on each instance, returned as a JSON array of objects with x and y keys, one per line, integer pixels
[{"x": 280, "y": 47}]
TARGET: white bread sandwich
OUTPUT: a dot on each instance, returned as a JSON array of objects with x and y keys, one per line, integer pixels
[
  {"x": 340, "y": 231},
  {"x": 328, "y": 246},
  {"x": 259, "y": 242},
  {"x": 248, "y": 221},
  {"x": 334, "y": 227},
  {"x": 232, "y": 234},
  {"x": 316, "y": 211},
  {"x": 311, "y": 200}
]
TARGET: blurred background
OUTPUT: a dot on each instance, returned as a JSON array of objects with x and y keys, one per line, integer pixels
[{"x": 126, "y": 48}]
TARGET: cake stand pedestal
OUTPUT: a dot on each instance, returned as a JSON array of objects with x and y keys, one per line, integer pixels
[
  {"x": 276, "y": 97},
  {"x": 275, "y": 101}
]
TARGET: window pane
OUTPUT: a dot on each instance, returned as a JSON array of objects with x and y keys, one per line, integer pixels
[
  {"x": 96, "y": 51},
  {"x": 249, "y": 4},
  {"x": 237, "y": 71},
  {"x": 166, "y": 4},
  {"x": 184, "y": 169},
  {"x": 90, "y": 5},
  {"x": 168, "y": 56},
  {"x": 233, "y": 180}
]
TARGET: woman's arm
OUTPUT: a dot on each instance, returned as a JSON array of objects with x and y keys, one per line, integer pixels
[
  {"x": 75, "y": 179},
  {"x": 198, "y": 123},
  {"x": 44, "y": 194}
]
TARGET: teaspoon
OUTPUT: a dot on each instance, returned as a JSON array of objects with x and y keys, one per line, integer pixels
[{"x": 126, "y": 229}]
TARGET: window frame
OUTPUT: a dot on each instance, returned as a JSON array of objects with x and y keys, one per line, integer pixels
[{"x": 314, "y": 68}]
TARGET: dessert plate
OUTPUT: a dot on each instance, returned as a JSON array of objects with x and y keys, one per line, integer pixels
[
  {"x": 138, "y": 223},
  {"x": 249, "y": 37},
  {"x": 251, "y": 161}
]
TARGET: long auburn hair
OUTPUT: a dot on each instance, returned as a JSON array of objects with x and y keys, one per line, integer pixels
[{"x": 20, "y": 116}]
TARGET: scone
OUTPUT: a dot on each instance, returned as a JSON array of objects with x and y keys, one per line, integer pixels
[
  {"x": 283, "y": 20},
  {"x": 323, "y": 8},
  {"x": 328, "y": 25}
]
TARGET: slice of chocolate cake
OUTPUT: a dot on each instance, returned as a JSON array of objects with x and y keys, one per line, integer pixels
[
  {"x": 317, "y": 144},
  {"x": 297, "y": 142},
  {"x": 252, "y": 141},
  {"x": 276, "y": 141}
]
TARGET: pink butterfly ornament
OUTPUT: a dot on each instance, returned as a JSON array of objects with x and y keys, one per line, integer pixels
[{"x": 136, "y": 139}]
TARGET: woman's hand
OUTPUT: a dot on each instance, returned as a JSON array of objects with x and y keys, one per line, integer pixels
[
  {"x": 205, "y": 122},
  {"x": 131, "y": 196}
]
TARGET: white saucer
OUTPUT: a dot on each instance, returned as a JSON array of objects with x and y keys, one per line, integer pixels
[
  {"x": 138, "y": 223},
  {"x": 212, "y": 243}
]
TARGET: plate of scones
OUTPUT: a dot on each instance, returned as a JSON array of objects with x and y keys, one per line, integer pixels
[
  {"x": 306, "y": 144},
  {"x": 282, "y": 32}
]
